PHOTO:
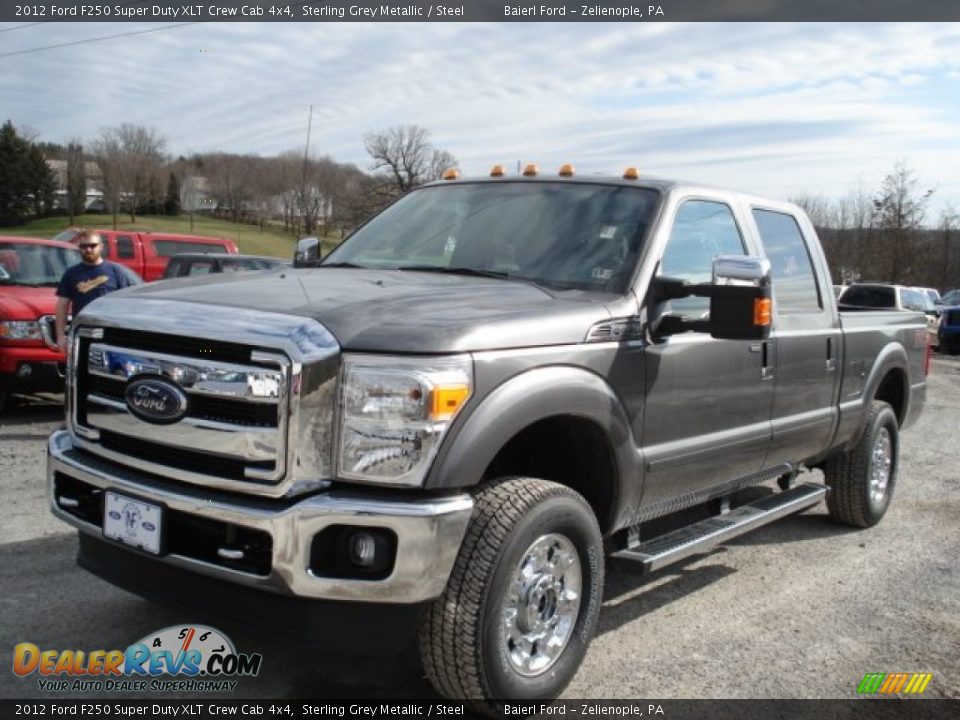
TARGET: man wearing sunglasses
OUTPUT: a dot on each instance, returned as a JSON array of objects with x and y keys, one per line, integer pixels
[{"x": 84, "y": 282}]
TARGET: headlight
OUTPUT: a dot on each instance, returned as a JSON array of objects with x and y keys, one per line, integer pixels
[
  {"x": 395, "y": 411},
  {"x": 20, "y": 330}
]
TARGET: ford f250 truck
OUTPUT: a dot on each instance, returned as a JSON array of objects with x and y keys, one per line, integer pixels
[{"x": 441, "y": 432}]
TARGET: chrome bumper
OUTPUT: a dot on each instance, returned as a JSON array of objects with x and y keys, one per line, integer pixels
[{"x": 429, "y": 530}]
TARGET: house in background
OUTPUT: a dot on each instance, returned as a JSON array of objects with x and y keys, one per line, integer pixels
[{"x": 94, "y": 200}]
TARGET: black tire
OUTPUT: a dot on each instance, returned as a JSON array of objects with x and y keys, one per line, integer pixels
[
  {"x": 857, "y": 494},
  {"x": 467, "y": 649}
]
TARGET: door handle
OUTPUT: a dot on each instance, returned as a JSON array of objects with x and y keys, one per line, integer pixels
[
  {"x": 831, "y": 355},
  {"x": 766, "y": 361}
]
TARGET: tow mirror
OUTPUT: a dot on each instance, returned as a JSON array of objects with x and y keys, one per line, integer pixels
[
  {"x": 740, "y": 300},
  {"x": 307, "y": 253},
  {"x": 740, "y": 305}
]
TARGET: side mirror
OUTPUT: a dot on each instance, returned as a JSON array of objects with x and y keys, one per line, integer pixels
[
  {"x": 740, "y": 303},
  {"x": 740, "y": 300},
  {"x": 307, "y": 253}
]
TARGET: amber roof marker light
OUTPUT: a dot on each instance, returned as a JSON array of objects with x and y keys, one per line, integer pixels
[
  {"x": 498, "y": 171},
  {"x": 631, "y": 173},
  {"x": 566, "y": 170},
  {"x": 531, "y": 170},
  {"x": 451, "y": 174}
]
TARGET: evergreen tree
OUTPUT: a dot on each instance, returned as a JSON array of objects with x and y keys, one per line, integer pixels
[
  {"x": 171, "y": 205},
  {"x": 26, "y": 183},
  {"x": 76, "y": 181}
]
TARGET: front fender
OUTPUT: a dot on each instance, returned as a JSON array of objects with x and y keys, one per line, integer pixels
[{"x": 525, "y": 399}]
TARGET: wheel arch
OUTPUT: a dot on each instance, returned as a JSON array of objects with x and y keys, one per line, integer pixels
[
  {"x": 888, "y": 381},
  {"x": 565, "y": 420}
]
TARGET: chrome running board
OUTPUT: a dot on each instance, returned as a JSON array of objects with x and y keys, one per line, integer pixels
[{"x": 701, "y": 536}]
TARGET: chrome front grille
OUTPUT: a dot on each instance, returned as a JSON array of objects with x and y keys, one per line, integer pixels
[
  {"x": 257, "y": 420},
  {"x": 235, "y": 414}
]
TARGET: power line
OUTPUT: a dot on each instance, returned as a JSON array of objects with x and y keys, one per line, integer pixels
[
  {"x": 20, "y": 27},
  {"x": 97, "y": 39}
]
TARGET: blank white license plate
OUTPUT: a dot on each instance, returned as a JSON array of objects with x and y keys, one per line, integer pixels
[{"x": 132, "y": 522}]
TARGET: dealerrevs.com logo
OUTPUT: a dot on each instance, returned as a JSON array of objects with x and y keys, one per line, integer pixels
[{"x": 204, "y": 658}]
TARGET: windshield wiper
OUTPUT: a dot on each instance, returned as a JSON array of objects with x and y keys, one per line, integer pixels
[
  {"x": 20, "y": 283},
  {"x": 455, "y": 270},
  {"x": 342, "y": 265}
]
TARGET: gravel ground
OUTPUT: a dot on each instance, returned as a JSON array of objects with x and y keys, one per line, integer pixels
[{"x": 801, "y": 608}]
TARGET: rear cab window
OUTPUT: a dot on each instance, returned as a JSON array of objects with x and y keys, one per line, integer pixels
[
  {"x": 870, "y": 296},
  {"x": 168, "y": 247}
]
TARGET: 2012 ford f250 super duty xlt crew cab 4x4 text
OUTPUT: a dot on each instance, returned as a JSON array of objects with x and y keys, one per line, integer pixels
[{"x": 443, "y": 430}]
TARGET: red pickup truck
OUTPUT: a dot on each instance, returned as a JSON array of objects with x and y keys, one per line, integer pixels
[
  {"x": 147, "y": 253},
  {"x": 30, "y": 269}
]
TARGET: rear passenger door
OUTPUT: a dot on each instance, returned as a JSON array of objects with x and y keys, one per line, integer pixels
[{"x": 806, "y": 339}]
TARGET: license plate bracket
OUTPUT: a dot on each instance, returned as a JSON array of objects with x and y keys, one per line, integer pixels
[{"x": 133, "y": 522}]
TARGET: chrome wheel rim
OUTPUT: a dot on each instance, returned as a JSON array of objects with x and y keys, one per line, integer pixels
[
  {"x": 542, "y": 604},
  {"x": 881, "y": 462}
]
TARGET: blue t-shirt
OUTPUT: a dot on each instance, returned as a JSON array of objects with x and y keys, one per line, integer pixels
[{"x": 83, "y": 283}]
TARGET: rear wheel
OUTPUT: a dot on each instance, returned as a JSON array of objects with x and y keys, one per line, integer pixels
[
  {"x": 523, "y": 599},
  {"x": 862, "y": 479}
]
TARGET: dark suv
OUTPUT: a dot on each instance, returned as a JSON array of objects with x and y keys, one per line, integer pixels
[{"x": 189, "y": 264}]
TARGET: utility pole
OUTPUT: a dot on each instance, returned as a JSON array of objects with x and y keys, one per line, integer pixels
[{"x": 303, "y": 182}]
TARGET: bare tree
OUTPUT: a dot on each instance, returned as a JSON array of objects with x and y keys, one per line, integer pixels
[
  {"x": 949, "y": 235},
  {"x": 404, "y": 156},
  {"x": 900, "y": 210},
  {"x": 131, "y": 159},
  {"x": 230, "y": 178}
]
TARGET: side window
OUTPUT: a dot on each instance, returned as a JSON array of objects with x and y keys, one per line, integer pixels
[
  {"x": 202, "y": 267},
  {"x": 791, "y": 268},
  {"x": 125, "y": 247},
  {"x": 912, "y": 300},
  {"x": 701, "y": 231}
]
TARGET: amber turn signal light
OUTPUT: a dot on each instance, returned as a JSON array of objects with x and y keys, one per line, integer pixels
[
  {"x": 762, "y": 309},
  {"x": 445, "y": 401}
]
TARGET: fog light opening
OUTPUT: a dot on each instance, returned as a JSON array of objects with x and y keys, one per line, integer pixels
[
  {"x": 25, "y": 370},
  {"x": 362, "y": 549}
]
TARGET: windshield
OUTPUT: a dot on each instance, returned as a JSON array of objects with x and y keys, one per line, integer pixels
[
  {"x": 34, "y": 264},
  {"x": 563, "y": 235}
]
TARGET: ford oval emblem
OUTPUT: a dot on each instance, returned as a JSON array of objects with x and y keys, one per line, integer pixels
[{"x": 155, "y": 400}]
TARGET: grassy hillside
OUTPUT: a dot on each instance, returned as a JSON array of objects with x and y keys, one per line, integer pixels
[{"x": 249, "y": 238}]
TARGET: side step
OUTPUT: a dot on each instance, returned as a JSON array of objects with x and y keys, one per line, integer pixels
[{"x": 699, "y": 537}]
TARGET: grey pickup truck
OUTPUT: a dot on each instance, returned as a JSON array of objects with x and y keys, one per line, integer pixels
[{"x": 434, "y": 438}]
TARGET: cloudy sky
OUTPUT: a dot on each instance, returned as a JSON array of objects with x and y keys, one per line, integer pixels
[{"x": 779, "y": 109}]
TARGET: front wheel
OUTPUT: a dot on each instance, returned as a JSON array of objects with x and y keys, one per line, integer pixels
[
  {"x": 522, "y": 602},
  {"x": 862, "y": 479}
]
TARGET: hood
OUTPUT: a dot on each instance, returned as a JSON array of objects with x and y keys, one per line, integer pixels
[
  {"x": 26, "y": 303},
  {"x": 401, "y": 311}
]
